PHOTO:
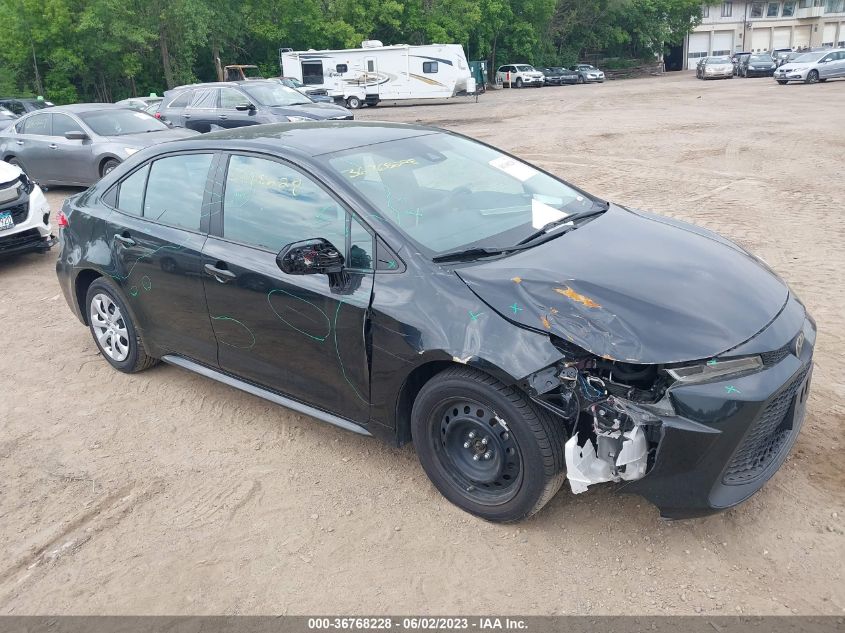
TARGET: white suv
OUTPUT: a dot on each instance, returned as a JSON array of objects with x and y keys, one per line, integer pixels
[
  {"x": 24, "y": 214},
  {"x": 519, "y": 75}
]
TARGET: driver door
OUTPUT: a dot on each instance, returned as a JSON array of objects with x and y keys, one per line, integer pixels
[
  {"x": 299, "y": 335},
  {"x": 72, "y": 160}
]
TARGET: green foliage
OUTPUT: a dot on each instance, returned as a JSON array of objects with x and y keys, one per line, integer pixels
[{"x": 104, "y": 50}]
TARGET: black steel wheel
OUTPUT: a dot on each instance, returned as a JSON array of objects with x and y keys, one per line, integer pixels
[{"x": 485, "y": 446}]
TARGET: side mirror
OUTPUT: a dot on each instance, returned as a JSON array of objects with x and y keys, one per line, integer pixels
[
  {"x": 310, "y": 257},
  {"x": 76, "y": 135},
  {"x": 245, "y": 107}
]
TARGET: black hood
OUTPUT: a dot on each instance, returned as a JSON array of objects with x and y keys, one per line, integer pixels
[
  {"x": 635, "y": 288},
  {"x": 312, "y": 110}
]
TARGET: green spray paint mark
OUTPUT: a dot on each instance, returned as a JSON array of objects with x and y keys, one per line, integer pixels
[
  {"x": 146, "y": 283},
  {"x": 474, "y": 316},
  {"x": 134, "y": 291},
  {"x": 226, "y": 318},
  {"x": 712, "y": 362},
  {"x": 516, "y": 309},
  {"x": 322, "y": 338},
  {"x": 732, "y": 389},
  {"x": 339, "y": 360}
]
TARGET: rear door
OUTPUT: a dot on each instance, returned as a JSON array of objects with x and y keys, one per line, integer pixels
[
  {"x": 72, "y": 160},
  {"x": 299, "y": 335},
  {"x": 32, "y": 146},
  {"x": 174, "y": 110},
  {"x": 202, "y": 113},
  {"x": 156, "y": 234}
]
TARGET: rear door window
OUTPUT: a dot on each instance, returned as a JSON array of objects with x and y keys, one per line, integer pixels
[
  {"x": 205, "y": 99},
  {"x": 175, "y": 190}
]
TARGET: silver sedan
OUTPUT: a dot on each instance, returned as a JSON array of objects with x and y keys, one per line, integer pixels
[{"x": 78, "y": 144}]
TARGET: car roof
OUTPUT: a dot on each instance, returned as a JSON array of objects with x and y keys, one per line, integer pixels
[
  {"x": 79, "y": 108},
  {"x": 219, "y": 84},
  {"x": 308, "y": 139}
]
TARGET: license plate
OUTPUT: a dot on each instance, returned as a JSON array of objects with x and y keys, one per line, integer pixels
[{"x": 6, "y": 221}]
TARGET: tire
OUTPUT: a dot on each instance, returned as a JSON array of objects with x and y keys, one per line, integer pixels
[
  {"x": 353, "y": 103},
  {"x": 128, "y": 354},
  {"x": 518, "y": 82},
  {"x": 17, "y": 163},
  {"x": 812, "y": 77},
  {"x": 581, "y": 80},
  {"x": 782, "y": 82},
  {"x": 514, "y": 463},
  {"x": 821, "y": 81},
  {"x": 108, "y": 167}
]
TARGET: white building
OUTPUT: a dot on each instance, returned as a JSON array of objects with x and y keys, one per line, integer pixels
[{"x": 755, "y": 26}]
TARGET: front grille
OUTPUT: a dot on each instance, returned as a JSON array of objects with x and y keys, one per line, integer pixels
[
  {"x": 767, "y": 437},
  {"x": 319, "y": 92},
  {"x": 18, "y": 240},
  {"x": 774, "y": 357}
]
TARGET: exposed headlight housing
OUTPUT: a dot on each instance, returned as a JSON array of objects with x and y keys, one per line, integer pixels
[
  {"x": 712, "y": 369},
  {"x": 294, "y": 119}
]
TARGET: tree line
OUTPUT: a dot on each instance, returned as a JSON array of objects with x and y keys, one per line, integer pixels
[{"x": 104, "y": 50}]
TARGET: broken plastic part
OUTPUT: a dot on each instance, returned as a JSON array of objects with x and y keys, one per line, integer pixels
[{"x": 584, "y": 467}]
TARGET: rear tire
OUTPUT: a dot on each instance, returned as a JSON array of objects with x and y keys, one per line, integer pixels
[
  {"x": 113, "y": 330},
  {"x": 486, "y": 447},
  {"x": 108, "y": 167}
]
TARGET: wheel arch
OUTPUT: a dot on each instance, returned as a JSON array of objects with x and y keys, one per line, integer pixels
[
  {"x": 101, "y": 162},
  {"x": 83, "y": 281}
]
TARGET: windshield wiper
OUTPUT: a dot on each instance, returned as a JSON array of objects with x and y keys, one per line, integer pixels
[
  {"x": 472, "y": 253},
  {"x": 600, "y": 208}
]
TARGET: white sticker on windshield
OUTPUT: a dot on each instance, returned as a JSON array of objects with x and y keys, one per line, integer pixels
[
  {"x": 515, "y": 169},
  {"x": 141, "y": 115},
  {"x": 542, "y": 214}
]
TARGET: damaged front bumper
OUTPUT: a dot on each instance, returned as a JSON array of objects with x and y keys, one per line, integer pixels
[{"x": 704, "y": 447}]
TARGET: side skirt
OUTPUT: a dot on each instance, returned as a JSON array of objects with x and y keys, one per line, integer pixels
[{"x": 264, "y": 393}]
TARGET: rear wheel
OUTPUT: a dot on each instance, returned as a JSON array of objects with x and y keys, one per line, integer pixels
[
  {"x": 108, "y": 166},
  {"x": 486, "y": 447},
  {"x": 113, "y": 330},
  {"x": 782, "y": 82},
  {"x": 353, "y": 103},
  {"x": 812, "y": 77}
]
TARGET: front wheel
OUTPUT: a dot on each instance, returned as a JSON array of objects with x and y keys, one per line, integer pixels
[
  {"x": 486, "y": 447},
  {"x": 353, "y": 103},
  {"x": 812, "y": 77},
  {"x": 581, "y": 80},
  {"x": 113, "y": 330},
  {"x": 518, "y": 83},
  {"x": 109, "y": 166}
]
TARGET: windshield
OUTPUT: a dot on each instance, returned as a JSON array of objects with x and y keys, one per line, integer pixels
[
  {"x": 525, "y": 69},
  {"x": 274, "y": 94},
  {"x": 718, "y": 60},
  {"x": 809, "y": 57},
  {"x": 121, "y": 122},
  {"x": 5, "y": 112},
  {"x": 760, "y": 59},
  {"x": 446, "y": 192},
  {"x": 293, "y": 83}
]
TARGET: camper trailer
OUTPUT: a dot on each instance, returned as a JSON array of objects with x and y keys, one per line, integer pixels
[{"x": 376, "y": 72}]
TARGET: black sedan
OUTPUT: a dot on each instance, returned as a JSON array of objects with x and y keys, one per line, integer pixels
[
  {"x": 757, "y": 66},
  {"x": 413, "y": 284},
  {"x": 560, "y": 76}
]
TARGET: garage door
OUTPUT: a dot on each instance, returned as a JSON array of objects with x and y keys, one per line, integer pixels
[
  {"x": 761, "y": 40},
  {"x": 723, "y": 43},
  {"x": 829, "y": 37},
  {"x": 781, "y": 37},
  {"x": 698, "y": 44},
  {"x": 801, "y": 37}
]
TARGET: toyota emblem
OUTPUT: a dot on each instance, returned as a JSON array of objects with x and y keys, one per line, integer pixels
[{"x": 799, "y": 344}]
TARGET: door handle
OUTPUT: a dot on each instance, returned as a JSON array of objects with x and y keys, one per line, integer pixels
[
  {"x": 19, "y": 142},
  {"x": 53, "y": 146},
  {"x": 222, "y": 117},
  {"x": 186, "y": 116},
  {"x": 220, "y": 274},
  {"x": 124, "y": 239}
]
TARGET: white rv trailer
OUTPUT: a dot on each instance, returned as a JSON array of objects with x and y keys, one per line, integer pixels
[{"x": 376, "y": 72}]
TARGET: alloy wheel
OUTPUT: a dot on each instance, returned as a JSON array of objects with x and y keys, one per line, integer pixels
[{"x": 109, "y": 327}]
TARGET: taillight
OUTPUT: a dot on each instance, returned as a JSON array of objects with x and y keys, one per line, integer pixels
[
  {"x": 157, "y": 115},
  {"x": 61, "y": 220}
]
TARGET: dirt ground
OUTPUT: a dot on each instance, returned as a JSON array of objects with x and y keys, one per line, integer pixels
[{"x": 168, "y": 493}]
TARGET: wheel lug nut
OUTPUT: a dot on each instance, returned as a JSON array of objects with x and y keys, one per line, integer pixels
[
  {"x": 466, "y": 445},
  {"x": 472, "y": 435},
  {"x": 488, "y": 454},
  {"x": 484, "y": 441},
  {"x": 475, "y": 457}
]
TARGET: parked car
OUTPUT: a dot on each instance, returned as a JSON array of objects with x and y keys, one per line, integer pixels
[
  {"x": 152, "y": 109},
  {"x": 737, "y": 59},
  {"x": 715, "y": 68},
  {"x": 318, "y": 95},
  {"x": 139, "y": 103},
  {"x": 203, "y": 107},
  {"x": 558, "y": 76},
  {"x": 21, "y": 105},
  {"x": 519, "y": 76},
  {"x": 587, "y": 74},
  {"x": 6, "y": 117},
  {"x": 779, "y": 55},
  {"x": 761, "y": 65},
  {"x": 78, "y": 144},
  {"x": 813, "y": 67},
  {"x": 414, "y": 284},
  {"x": 24, "y": 214}
]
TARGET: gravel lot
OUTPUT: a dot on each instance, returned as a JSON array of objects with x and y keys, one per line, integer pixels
[{"x": 168, "y": 493}]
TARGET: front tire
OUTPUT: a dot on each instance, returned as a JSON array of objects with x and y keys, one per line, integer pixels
[
  {"x": 782, "y": 82},
  {"x": 486, "y": 447},
  {"x": 113, "y": 330},
  {"x": 812, "y": 77},
  {"x": 108, "y": 167},
  {"x": 518, "y": 83}
]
